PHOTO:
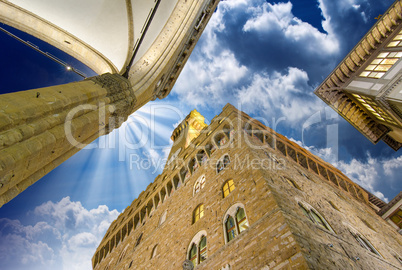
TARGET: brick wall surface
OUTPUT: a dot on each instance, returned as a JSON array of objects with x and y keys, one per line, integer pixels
[{"x": 279, "y": 235}]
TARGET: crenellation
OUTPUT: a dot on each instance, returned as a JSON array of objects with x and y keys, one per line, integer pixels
[{"x": 270, "y": 202}]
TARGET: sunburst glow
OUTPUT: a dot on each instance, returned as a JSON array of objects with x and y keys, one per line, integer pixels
[{"x": 118, "y": 166}]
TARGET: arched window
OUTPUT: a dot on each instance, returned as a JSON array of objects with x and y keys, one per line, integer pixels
[
  {"x": 199, "y": 184},
  {"x": 222, "y": 163},
  {"x": 228, "y": 187},
  {"x": 198, "y": 213},
  {"x": 235, "y": 221},
  {"x": 315, "y": 217},
  {"x": 197, "y": 252},
  {"x": 220, "y": 139},
  {"x": 364, "y": 242}
]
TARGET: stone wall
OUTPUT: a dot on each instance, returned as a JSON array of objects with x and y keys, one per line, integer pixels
[{"x": 279, "y": 235}]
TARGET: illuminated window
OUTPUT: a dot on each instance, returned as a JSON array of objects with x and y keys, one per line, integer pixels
[
  {"x": 364, "y": 242},
  {"x": 228, "y": 187},
  {"x": 396, "y": 42},
  {"x": 397, "y": 218},
  {"x": 381, "y": 64},
  {"x": 235, "y": 222},
  {"x": 193, "y": 254},
  {"x": 315, "y": 217},
  {"x": 241, "y": 219},
  {"x": 197, "y": 252},
  {"x": 198, "y": 213},
  {"x": 377, "y": 111},
  {"x": 199, "y": 184}
]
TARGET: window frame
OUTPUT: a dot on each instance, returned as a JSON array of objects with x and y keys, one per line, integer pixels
[
  {"x": 198, "y": 213},
  {"x": 363, "y": 242},
  {"x": 196, "y": 243},
  {"x": 231, "y": 213},
  {"x": 231, "y": 229},
  {"x": 202, "y": 251},
  {"x": 229, "y": 187},
  {"x": 312, "y": 214},
  {"x": 199, "y": 184}
]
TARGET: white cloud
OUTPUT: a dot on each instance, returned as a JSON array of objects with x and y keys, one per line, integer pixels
[
  {"x": 393, "y": 165},
  {"x": 279, "y": 95},
  {"x": 215, "y": 76},
  {"x": 365, "y": 174},
  {"x": 279, "y": 18},
  {"x": 208, "y": 80},
  {"x": 65, "y": 237},
  {"x": 234, "y": 3}
]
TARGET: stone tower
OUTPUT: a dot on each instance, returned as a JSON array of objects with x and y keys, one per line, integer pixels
[
  {"x": 41, "y": 128},
  {"x": 238, "y": 195}
]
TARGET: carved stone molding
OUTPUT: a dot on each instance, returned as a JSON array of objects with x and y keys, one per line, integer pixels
[{"x": 119, "y": 92}]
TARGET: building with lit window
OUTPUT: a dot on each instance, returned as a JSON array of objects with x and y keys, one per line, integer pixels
[
  {"x": 365, "y": 88},
  {"x": 392, "y": 212},
  {"x": 237, "y": 195}
]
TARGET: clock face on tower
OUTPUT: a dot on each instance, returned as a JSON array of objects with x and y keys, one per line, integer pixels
[{"x": 174, "y": 156}]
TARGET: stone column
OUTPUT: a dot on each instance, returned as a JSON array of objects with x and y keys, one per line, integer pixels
[{"x": 41, "y": 128}]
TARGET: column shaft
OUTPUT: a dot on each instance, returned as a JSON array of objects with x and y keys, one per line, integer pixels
[{"x": 41, "y": 128}]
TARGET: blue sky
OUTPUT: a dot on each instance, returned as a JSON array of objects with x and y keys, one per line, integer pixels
[{"x": 264, "y": 57}]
